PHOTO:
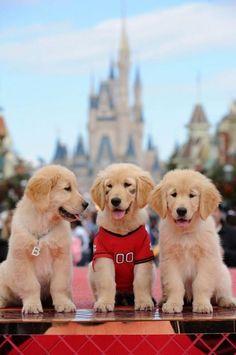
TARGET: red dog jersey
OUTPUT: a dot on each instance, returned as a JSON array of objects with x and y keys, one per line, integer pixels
[{"x": 126, "y": 251}]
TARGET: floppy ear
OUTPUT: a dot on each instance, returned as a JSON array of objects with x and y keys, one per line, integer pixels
[
  {"x": 209, "y": 199},
  {"x": 98, "y": 193},
  {"x": 145, "y": 185},
  {"x": 37, "y": 190},
  {"x": 158, "y": 201}
]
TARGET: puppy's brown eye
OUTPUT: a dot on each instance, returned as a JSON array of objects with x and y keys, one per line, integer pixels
[
  {"x": 109, "y": 185},
  {"x": 126, "y": 184},
  {"x": 191, "y": 195},
  {"x": 67, "y": 188},
  {"x": 174, "y": 194}
]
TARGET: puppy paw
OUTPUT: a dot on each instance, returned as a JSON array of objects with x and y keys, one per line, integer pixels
[
  {"x": 65, "y": 306},
  {"x": 202, "y": 307},
  {"x": 144, "y": 305},
  {"x": 103, "y": 306},
  {"x": 172, "y": 307},
  {"x": 32, "y": 307},
  {"x": 227, "y": 302}
]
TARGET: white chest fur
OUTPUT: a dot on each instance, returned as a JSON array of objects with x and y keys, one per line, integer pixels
[{"x": 43, "y": 263}]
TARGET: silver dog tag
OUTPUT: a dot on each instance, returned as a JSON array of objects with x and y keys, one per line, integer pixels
[{"x": 36, "y": 251}]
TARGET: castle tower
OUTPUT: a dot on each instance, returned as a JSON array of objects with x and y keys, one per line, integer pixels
[
  {"x": 60, "y": 155},
  {"x": 103, "y": 125},
  {"x": 80, "y": 164},
  {"x": 152, "y": 163},
  {"x": 138, "y": 121},
  {"x": 198, "y": 126},
  {"x": 130, "y": 155},
  {"x": 195, "y": 153}
]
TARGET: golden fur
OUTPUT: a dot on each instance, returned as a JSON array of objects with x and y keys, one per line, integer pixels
[
  {"x": 25, "y": 278},
  {"x": 132, "y": 186},
  {"x": 191, "y": 264}
]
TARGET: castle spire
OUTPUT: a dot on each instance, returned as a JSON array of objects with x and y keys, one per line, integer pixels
[
  {"x": 111, "y": 72},
  {"x": 123, "y": 65},
  {"x": 124, "y": 45},
  {"x": 137, "y": 90},
  {"x": 80, "y": 150},
  {"x": 137, "y": 77},
  {"x": 150, "y": 145}
]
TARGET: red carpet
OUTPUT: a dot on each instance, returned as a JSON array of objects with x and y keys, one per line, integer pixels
[{"x": 83, "y": 295}]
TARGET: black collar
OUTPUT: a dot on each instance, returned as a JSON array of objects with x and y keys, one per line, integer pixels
[{"x": 121, "y": 235}]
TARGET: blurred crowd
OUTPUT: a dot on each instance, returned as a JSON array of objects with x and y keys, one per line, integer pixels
[{"x": 84, "y": 231}]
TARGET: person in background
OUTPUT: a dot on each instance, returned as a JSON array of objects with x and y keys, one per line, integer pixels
[
  {"x": 231, "y": 217},
  {"x": 153, "y": 230},
  {"x": 81, "y": 233},
  {"x": 3, "y": 249},
  {"x": 92, "y": 229},
  {"x": 227, "y": 235},
  {"x": 5, "y": 234},
  {"x": 6, "y": 228},
  {"x": 76, "y": 245}
]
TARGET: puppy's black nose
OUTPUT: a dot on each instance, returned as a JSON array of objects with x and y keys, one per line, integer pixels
[
  {"x": 85, "y": 204},
  {"x": 181, "y": 211},
  {"x": 115, "y": 201}
]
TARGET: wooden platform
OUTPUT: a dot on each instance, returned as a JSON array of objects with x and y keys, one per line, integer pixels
[
  {"x": 124, "y": 314},
  {"x": 124, "y": 320},
  {"x": 220, "y": 321}
]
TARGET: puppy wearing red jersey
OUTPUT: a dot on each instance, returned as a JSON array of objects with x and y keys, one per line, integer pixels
[{"x": 122, "y": 262}]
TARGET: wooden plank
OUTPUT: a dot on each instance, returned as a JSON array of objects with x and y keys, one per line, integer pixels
[{"x": 122, "y": 314}]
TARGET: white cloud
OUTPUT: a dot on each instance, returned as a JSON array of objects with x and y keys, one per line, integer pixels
[
  {"x": 223, "y": 81},
  {"x": 156, "y": 36}
]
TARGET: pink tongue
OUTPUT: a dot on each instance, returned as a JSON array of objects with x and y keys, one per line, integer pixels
[
  {"x": 118, "y": 214},
  {"x": 77, "y": 216},
  {"x": 181, "y": 222}
]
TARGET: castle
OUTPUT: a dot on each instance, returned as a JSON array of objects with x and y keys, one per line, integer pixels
[{"x": 115, "y": 127}]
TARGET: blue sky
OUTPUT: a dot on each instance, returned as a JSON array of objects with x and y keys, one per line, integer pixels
[{"x": 48, "y": 50}]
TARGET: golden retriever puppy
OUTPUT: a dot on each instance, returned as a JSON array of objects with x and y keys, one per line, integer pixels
[
  {"x": 39, "y": 264},
  {"x": 191, "y": 263},
  {"x": 122, "y": 262}
]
